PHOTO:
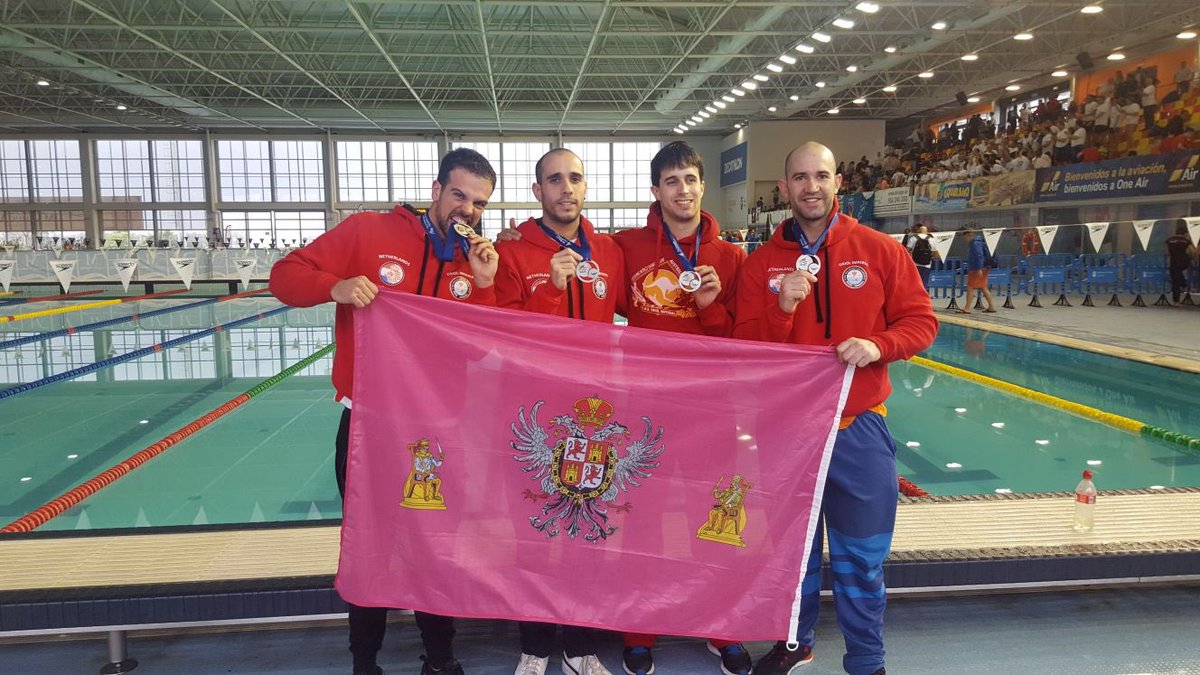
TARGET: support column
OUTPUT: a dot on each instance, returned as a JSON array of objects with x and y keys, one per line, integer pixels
[{"x": 118, "y": 660}]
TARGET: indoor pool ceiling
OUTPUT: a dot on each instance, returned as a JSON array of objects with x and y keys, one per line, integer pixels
[{"x": 513, "y": 67}]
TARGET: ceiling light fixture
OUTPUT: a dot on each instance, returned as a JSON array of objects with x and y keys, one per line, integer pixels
[
  {"x": 794, "y": 97},
  {"x": 834, "y": 111},
  {"x": 927, "y": 74},
  {"x": 690, "y": 123},
  {"x": 1091, "y": 9},
  {"x": 972, "y": 99},
  {"x": 852, "y": 68},
  {"x": 891, "y": 89},
  {"x": 679, "y": 131},
  {"x": 1059, "y": 73},
  {"x": 1116, "y": 56},
  {"x": 844, "y": 23},
  {"x": 969, "y": 57},
  {"x": 787, "y": 58},
  {"x": 720, "y": 104},
  {"x": 749, "y": 85},
  {"x": 890, "y": 49},
  {"x": 727, "y": 98},
  {"x": 774, "y": 67},
  {"x": 820, "y": 84},
  {"x": 860, "y": 101},
  {"x": 806, "y": 49},
  {"x": 710, "y": 108},
  {"x": 122, "y": 106},
  {"x": 1023, "y": 36},
  {"x": 821, "y": 37},
  {"x": 940, "y": 25},
  {"x": 704, "y": 113},
  {"x": 737, "y": 92},
  {"x": 1013, "y": 87},
  {"x": 1186, "y": 35},
  {"x": 772, "y": 109},
  {"x": 867, "y": 7},
  {"x": 760, "y": 77},
  {"x": 43, "y": 83}
]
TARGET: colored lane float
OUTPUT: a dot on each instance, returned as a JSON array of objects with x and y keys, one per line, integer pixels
[
  {"x": 88, "y": 305},
  {"x": 16, "y": 342},
  {"x": 59, "y": 505},
  {"x": 135, "y": 354},
  {"x": 1113, "y": 420}
]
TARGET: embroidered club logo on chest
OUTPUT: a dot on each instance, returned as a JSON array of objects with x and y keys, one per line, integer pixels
[{"x": 854, "y": 276}]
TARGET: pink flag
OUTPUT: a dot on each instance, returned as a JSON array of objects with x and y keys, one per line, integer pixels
[{"x": 518, "y": 466}]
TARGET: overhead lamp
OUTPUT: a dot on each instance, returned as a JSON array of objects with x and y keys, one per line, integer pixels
[
  {"x": 760, "y": 77},
  {"x": 834, "y": 111},
  {"x": 720, "y": 104},
  {"x": 939, "y": 25},
  {"x": 867, "y": 7},
  {"x": 1023, "y": 36},
  {"x": 846, "y": 24},
  {"x": 749, "y": 84},
  {"x": 710, "y": 108},
  {"x": 1059, "y": 73},
  {"x": 1013, "y": 87},
  {"x": 727, "y": 98},
  {"x": 1186, "y": 35},
  {"x": 122, "y": 106},
  {"x": 697, "y": 119},
  {"x": 772, "y": 109},
  {"x": 852, "y": 68},
  {"x": 972, "y": 99},
  {"x": 794, "y": 97},
  {"x": 821, "y": 37},
  {"x": 820, "y": 84},
  {"x": 1091, "y": 9},
  {"x": 891, "y": 89},
  {"x": 969, "y": 57},
  {"x": 927, "y": 74},
  {"x": 737, "y": 92},
  {"x": 890, "y": 49},
  {"x": 806, "y": 49},
  {"x": 774, "y": 67},
  {"x": 860, "y": 101},
  {"x": 1116, "y": 56},
  {"x": 787, "y": 58},
  {"x": 690, "y": 123},
  {"x": 738, "y": 125},
  {"x": 704, "y": 113},
  {"x": 43, "y": 83}
]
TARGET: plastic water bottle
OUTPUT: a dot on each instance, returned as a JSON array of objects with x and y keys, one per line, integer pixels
[{"x": 1085, "y": 503}]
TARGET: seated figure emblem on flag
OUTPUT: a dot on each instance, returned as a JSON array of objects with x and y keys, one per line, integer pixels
[
  {"x": 423, "y": 488},
  {"x": 578, "y": 461},
  {"x": 727, "y": 518}
]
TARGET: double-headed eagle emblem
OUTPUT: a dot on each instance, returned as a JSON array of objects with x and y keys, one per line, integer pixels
[{"x": 576, "y": 468}]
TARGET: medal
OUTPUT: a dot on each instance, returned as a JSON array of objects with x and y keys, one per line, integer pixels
[
  {"x": 464, "y": 230},
  {"x": 444, "y": 248},
  {"x": 809, "y": 262},
  {"x": 690, "y": 281},
  {"x": 587, "y": 271}
]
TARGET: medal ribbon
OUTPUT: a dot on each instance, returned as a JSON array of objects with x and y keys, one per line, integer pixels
[
  {"x": 811, "y": 249},
  {"x": 582, "y": 248},
  {"x": 688, "y": 263},
  {"x": 444, "y": 249}
]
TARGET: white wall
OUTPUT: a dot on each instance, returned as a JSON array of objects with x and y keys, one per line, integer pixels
[{"x": 709, "y": 148}]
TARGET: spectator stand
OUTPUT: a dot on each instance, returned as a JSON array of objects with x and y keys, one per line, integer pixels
[
  {"x": 1048, "y": 275},
  {"x": 1101, "y": 273},
  {"x": 1147, "y": 274}
]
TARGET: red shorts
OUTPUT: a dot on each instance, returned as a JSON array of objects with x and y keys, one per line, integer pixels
[{"x": 977, "y": 278}]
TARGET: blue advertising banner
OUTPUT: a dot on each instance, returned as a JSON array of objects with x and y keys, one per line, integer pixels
[
  {"x": 733, "y": 165},
  {"x": 1123, "y": 177},
  {"x": 953, "y": 195},
  {"x": 859, "y": 205}
]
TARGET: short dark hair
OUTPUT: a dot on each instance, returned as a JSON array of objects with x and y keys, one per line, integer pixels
[
  {"x": 465, "y": 158},
  {"x": 675, "y": 155},
  {"x": 537, "y": 168}
]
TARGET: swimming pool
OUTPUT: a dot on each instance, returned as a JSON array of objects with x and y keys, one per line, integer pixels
[{"x": 270, "y": 460}]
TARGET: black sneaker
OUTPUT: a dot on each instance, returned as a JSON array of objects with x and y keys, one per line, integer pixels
[
  {"x": 780, "y": 661},
  {"x": 735, "y": 660},
  {"x": 450, "y": 667},
  {"x": 638, "y": 661}
]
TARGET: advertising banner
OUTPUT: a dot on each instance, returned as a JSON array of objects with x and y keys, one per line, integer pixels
[
  {"x": 733, "y": 165},
  {"x": 893, "y": 201},
  {"x": 1007, "y": 189},
  {"x": 953, "y": 195},
  {"x": 1123, "y": 177}
]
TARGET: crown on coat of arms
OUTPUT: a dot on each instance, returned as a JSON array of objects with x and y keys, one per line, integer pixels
[{"x": 593, "y": 410}]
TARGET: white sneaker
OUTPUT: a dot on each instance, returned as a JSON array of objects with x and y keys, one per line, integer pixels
[
  {"x": 532, "y": 665},
  {"x": 583, "y": 665}
]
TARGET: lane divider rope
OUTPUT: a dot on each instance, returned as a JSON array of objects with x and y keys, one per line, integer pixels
[
  {"x": 1113, "y": 420},
  {"x": 59, "y": 505},
  {"x": 71, "y": 330},
  {"x": 48, "y": 298},
  {"x": 87, "y": 305},
  {"x": 135, "y": 354}
]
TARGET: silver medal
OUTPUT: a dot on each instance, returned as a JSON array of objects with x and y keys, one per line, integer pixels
[
  {"x": 690, "y": 281},
  {"x": 587, "y": 271},
  {"x": 809, "y": 262},
  {"x": 463, "y": 229}
]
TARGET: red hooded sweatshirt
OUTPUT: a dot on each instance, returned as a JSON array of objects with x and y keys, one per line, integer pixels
[
  {"x": 655, "y": 298},
  {"x": 390, "y": 249},
  {"x": 523, "y": 281},
  {"x": 867, "y": 287}
]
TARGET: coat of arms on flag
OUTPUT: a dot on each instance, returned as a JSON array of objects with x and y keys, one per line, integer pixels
[
  {"x": 423, "y": 488},
  {"x": 576, "y": 467}
]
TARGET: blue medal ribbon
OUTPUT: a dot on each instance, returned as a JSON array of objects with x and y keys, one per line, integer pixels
[
  {"x": 802, "y": 239},
  {"x": 688, "y": 263},
  {"x": 582, "y": 248},
  {"x": 444, "y": 248}
]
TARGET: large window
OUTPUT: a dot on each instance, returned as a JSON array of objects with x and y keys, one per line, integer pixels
[
  {"x": 597, "y": 168},
  {"x": 399, "y": 171},
  {"x": 631, "y": 171},
  {"x": 491, "y": 151},
  {"x": 299, "y": 173},
  {"x": 155, "y": 225},
  {"x": 262, "y": 229},
  {"x": 57, "y": 172},
  {"x": 271, "y": 171},
  {"x": 150, "y": 171},
  {"x": 14, "y": 172},
  {"x": 178, "y": 171},
  {"x": 517, "y": 163},
  {"x": 414, "y": 168}
]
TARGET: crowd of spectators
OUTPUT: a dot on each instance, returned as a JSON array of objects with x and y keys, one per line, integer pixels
[{"x": 1126, "y": 115}]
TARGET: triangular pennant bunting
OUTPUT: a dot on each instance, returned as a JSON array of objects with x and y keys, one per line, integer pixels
[
  {"x": 942, "y": 242},
  {"x": 245, "y": 268},
  {"x": 898, "y": 237},
  {"x": 126, "y": 268},
  {"x": 186, "y": 269},
  {"x": 1096, "y": 231},
  {"x": 1046, "y": 234},
  {"x": 1143, "y": 228},
  {"x": 65, "y": 271},
  {"x": 991, "y": 235},
  {"x": 6, "y": 273},
  {"x": 1193, "y": 224}
]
